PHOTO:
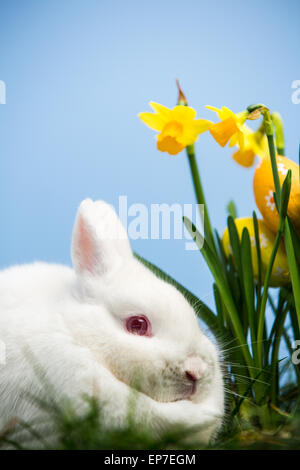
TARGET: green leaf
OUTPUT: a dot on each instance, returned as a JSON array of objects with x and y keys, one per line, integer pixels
[
  {"x": 294, "y": 270},
  {"x": 258, "y": 252},
  {"x": 248, "y": 284},
  {"x": 276, "y": 202},
  {"x": 285, "y": 194},
  {"x": 262, "y": 309},
  {"x": 279, "y": 327},
  {"x": 219, "y": 307},
  {"x": 231, "y": 209},
  {"x": 235, "y": 245},
  {"x": 296, "y": 241},
  {"x": 200, "y": 308},
  {"x": 236, "y": 282},
  {"x": 221, "y": 253},
  {"x": 286, "y": 293},
  {"x": 229, "y": 270},
  {"x": 294, "y": 322},
  {"x": 248, "y": 392},
  {"x": 233, "y": 281},
  {"x": 216, "y": 270}
]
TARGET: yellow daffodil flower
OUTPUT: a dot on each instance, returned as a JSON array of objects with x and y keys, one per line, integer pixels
[
  {"x": 230, "y": 128},
  {"x": 255, "y": 144},
  {"x": 280, "y": 273},
  {"x": 178, "y": 127},
  {"x": 263, "y": 187}
]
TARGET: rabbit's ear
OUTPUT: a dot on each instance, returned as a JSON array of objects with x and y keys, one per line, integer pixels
[{"x": 100, "y": 242}]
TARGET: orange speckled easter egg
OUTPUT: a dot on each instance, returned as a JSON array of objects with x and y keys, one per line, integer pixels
[
  {"x": 263, "y": 187},
  {"x": 280, "y": 273}
]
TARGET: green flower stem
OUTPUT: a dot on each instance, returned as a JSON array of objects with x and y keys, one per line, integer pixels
[
  {"x": 269, "y": 130},
  {"x": 279, "y": 133},
  {"x": 261, "y": 315},
  {"x": 270, "y": 136},
  {"x": 200, "y": 198},
  {"x": 274, "y": 167},
  {"x": 293, "y": 265}
]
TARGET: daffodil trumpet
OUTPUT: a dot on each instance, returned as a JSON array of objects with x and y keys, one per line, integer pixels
[{"x": 255, "y": 145}]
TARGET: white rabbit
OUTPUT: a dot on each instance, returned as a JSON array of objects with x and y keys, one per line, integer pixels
[{"x": 101, "y": 329}]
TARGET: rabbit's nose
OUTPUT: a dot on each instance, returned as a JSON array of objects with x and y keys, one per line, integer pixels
[{"x": 194, "y": 368}]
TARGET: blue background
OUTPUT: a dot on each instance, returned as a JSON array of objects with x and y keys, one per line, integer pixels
[{"x": 78, "y": 72}]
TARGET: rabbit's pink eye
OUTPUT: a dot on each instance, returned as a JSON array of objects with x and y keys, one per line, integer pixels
[{"x": 138, "y": 325}]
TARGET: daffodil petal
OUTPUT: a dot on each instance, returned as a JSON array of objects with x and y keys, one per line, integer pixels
[
  {"x": 216, "y": 110},
  {"x": 155, "y": 121},
  {"x": 227, "y": 113},
  {"x": 222, "y": 113},
  {"x": 183, "y": 113},
  {"x": 213, "y": 108},
  {"x": 241, "y": 140},
  {"x": 188, "y": 137},
  {"x": 160, "y": 109},
  {"x": 190, "y": 133},
  {"x": 262, "y": 149},
  {"x": 233, "y": 140},
  {"x": 202, "y": 125}
]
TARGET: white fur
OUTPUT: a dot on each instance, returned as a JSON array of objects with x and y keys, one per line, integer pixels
[{"x": 71, "y": 324}]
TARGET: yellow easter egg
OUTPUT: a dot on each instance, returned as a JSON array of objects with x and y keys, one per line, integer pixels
[
  {"x": 263, "y": 187},
  {"x": 280, "y": 273}
]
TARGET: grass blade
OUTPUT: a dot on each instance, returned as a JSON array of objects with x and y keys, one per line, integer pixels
[
  {"x": 216, "y": 270},
  {"x": 248, "y": 284},
  {"x": 294, "y": 270}
]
